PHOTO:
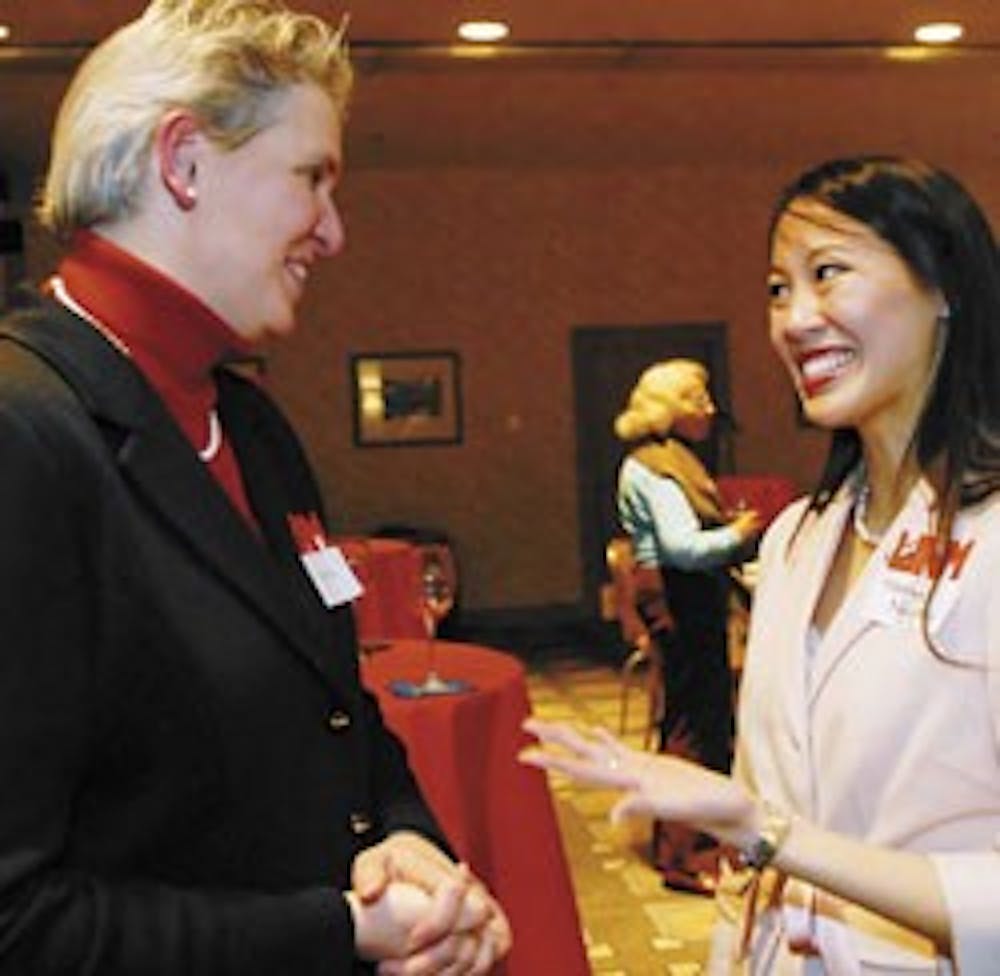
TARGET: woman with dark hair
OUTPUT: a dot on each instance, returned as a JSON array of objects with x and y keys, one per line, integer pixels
[{"x": 866, "y": 791}]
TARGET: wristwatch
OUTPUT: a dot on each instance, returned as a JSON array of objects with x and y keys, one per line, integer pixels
[{"x": 761, "y": 850}]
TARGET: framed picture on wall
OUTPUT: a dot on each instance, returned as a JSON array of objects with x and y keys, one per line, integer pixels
[{"x": 406, "y": 398}]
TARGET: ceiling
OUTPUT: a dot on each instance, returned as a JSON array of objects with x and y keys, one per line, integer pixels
[
  {"x": 594, "y": 78},
  {"x": 574, "y": 21}
]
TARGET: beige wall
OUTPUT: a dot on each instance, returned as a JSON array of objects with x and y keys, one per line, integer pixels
[{"x": 498, "y": 246}]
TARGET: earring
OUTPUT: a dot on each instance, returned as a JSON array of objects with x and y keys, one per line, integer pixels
[{"x": 186, "y": 197}]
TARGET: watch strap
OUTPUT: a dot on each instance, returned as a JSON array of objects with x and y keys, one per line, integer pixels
[{"x": 763, "y": 848}]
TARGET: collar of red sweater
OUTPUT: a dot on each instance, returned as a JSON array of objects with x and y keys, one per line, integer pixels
[{"x": 174, "y": 338}]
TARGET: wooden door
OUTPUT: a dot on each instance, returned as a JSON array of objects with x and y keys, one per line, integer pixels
[{"x": 607, "y": 360}]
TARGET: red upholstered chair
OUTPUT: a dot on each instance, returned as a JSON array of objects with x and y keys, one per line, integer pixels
[
  {"x": 767, "y": 493},
  {"x": 643, "y": 652}
]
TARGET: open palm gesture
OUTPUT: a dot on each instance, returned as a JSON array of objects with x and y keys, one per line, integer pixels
[{"x": 662, "y": 786}]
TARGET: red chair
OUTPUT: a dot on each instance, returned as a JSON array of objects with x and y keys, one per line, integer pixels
[
  {"x": 643, "y": 651},
  {"x": 767, "y": 493}
]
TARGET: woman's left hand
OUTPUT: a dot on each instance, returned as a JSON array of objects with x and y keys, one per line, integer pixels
[
  {"x": 654, "y": 785},
  {"x": 465, "y": 930}
]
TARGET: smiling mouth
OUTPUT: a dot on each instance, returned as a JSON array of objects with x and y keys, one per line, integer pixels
[{"x": 820, "y": 370}]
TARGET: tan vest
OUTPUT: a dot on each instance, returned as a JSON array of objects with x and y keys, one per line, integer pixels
[{"x": 672, "y": 459}]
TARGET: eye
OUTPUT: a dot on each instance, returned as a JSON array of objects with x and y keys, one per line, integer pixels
[
  {"x": 828, "y": 270},
  {"x": 777, "y": 289},
  {"x": 315, "y": 175}
]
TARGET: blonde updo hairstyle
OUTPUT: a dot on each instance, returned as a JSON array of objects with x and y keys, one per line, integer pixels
[
  {"x": 228, "y": 61},
  {"x": 652, "y": 403}
]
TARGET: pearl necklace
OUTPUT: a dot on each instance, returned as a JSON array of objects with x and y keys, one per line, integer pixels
[
  {"x": 860, "y": 512},
  {"x": 68, "y": 301},
  {"x": 214, "y": 445}
]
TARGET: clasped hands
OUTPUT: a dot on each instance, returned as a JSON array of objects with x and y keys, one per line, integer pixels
[{"x": 417, "y": 913}]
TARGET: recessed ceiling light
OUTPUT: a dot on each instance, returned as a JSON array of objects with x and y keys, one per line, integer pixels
[
  {"x": 483, "y": 31},
  {"x": 940, "y": 33}
]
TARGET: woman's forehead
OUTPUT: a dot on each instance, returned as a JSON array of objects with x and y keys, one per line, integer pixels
[{"x": 810, "y": 223}]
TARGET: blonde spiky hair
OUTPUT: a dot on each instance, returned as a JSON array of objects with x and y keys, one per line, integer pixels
[{"x": 225, "y": 60}]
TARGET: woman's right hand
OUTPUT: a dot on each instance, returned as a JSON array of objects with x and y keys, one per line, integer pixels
[
  {"x": 748, "y": 523},
  {"x": 662, "y": 786}
]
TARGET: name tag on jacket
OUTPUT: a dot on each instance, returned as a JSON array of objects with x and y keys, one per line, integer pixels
[
  {"x": 914, "y": 562},
  {"x": 325, "y": 564}
]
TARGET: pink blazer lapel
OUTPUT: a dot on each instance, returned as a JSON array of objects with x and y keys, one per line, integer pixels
[
  {"x": 878, "y": 597},
  {"x": 811, "y": 556}
]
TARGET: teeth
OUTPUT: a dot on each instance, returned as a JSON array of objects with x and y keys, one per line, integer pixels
[
  {"x": 298, "y": 269},
  {"x": 826, "y": 363}
]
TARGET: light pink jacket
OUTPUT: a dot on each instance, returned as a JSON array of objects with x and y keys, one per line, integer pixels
[{"x": 866, "y": 732}]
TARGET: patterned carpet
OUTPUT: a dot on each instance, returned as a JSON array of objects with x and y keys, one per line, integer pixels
[{"x": 633, "y": 926}]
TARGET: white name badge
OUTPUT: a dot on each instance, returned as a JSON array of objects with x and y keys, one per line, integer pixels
[
  {"x": 897, "y": 600},
  {"x": 333, "y": 578}
]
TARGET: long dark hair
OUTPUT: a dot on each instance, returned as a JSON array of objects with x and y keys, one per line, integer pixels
[{"x": 940, "y": 232}]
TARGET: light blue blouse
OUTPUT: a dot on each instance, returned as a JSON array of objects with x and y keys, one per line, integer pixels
[{"x": 664, "y": 528}]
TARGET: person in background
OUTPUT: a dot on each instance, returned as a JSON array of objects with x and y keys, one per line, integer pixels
[
  {"x": 683, "y": 544},
  {"x": 866, "y": 791},
  {"x": 194, "y": 781}
]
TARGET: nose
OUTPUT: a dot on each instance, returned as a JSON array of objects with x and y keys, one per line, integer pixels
[
  {"x": 329, "y": 230},
  {"x": 802, "y": 311}
]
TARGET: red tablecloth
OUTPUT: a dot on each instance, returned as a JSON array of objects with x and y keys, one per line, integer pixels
[
  {"x": 389, "y": 570},
  {"x": 496, "y": 812}
]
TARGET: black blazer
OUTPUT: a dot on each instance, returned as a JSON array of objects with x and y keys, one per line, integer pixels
[{"x": 188, "y": 762}]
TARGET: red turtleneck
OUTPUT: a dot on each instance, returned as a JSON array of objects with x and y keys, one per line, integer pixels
[{"x": 172, "y": 336}]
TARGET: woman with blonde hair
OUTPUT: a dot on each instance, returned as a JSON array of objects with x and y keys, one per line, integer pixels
[
  {"x": 669, "y": 505},
  {"x": 194, "y": 781}
]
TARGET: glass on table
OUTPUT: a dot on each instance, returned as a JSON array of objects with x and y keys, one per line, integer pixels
[{"x": 435, "y": 600}]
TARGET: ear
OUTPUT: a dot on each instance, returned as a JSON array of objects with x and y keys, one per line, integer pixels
[{"x": 177, "y": 147}]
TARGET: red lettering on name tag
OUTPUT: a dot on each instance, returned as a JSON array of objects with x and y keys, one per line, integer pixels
[{"x": 922, "y": 556}]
